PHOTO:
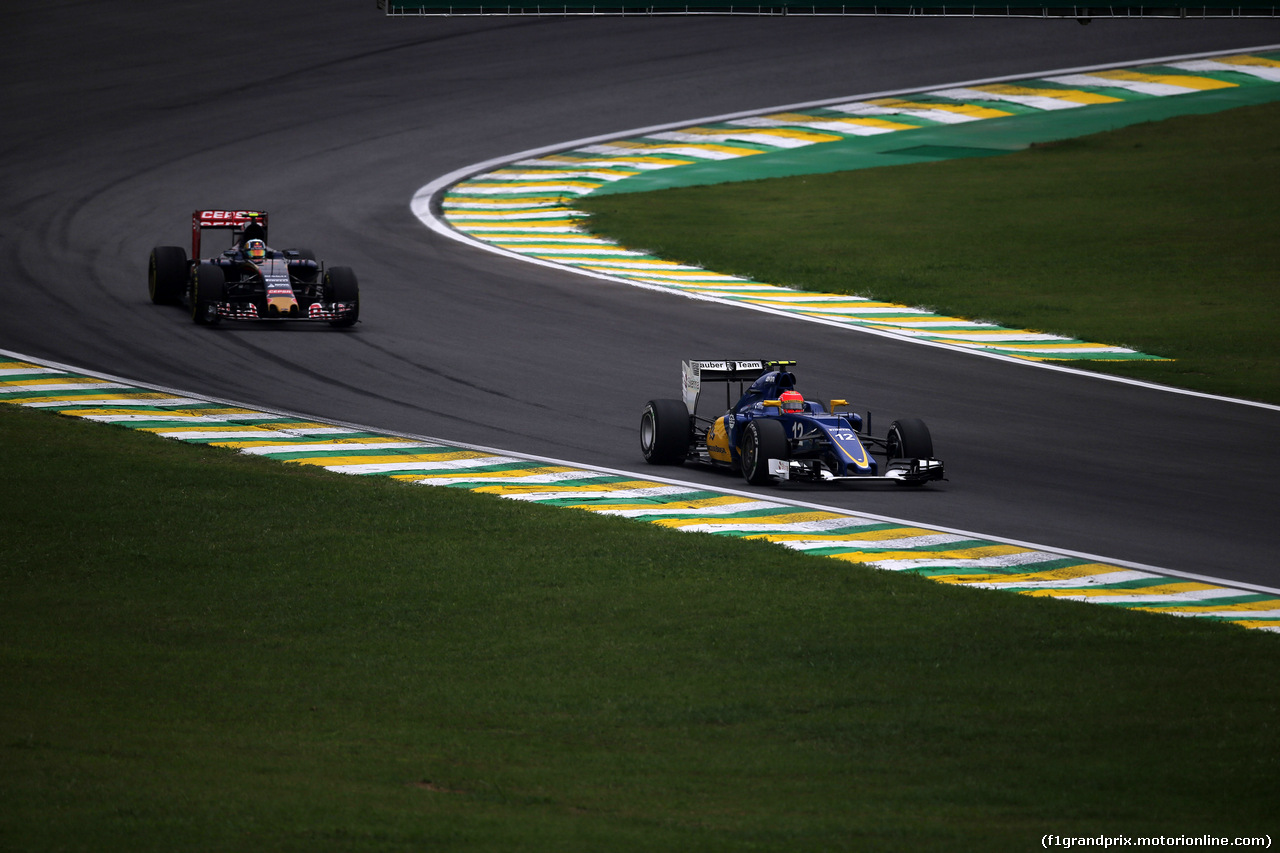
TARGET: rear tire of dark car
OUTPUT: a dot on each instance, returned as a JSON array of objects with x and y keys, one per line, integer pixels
[
  {"x": 909, "y": 439},
  {"x": 167, "y": 274},
  {"x": 665, "y": 432},
  {"x": 762, "y": 441},
  {"x": 207, "y": 287},
  {"x": 340, "y": 285}
]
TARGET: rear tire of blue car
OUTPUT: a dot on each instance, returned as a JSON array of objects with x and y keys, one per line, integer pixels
[
  {"x": 762, "y": 441},
  {"x": 340, "y": 285},
  {"x": 208, "y": 286},
  {"x": 167, "y": 274},
  {"x": 665, "y": 432}
]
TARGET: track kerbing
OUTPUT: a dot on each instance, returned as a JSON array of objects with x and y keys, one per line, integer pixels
[
  {"x": 948, "y": 556},
  {"x": 524, "y": 206}
]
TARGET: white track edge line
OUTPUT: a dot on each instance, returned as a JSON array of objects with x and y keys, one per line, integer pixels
[
  {"x": 423, "y": 203},
  {"x": 702, "y": 487}
]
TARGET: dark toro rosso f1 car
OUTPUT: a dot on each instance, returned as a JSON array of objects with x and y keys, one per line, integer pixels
[
  {"x": 773, "y": 433},
  {"x": 250, "y": 280}
]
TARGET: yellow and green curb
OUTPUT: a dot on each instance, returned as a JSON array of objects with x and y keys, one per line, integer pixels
[
  {"x": 947, "y": 556},
  {"x": 525, "y": 206}
]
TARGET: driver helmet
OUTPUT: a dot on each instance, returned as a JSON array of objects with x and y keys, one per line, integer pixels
[
  {"x": 792, "y": 401},
  {"x": 256, "y": 250}
]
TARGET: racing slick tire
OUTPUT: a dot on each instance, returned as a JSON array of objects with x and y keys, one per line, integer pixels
[
  {"x": 340, "y": 285},
  {"x": 909, "y": 439},
  {"x": 665, "y": 432},
  {"x": 167, "y": 274},
  {"x": 762, "y": 441},
  {"x": 208, "y": 286}
]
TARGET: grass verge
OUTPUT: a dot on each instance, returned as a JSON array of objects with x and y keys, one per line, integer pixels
[
  {"x": 1162, "y": 237},
  {"x": 207, "y": 651}
]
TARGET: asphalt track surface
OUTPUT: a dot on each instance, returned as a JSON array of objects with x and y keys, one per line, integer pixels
[{"x": 123, "y": 117}]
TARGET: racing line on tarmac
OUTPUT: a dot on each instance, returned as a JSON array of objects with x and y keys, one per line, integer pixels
[{"x": 944, "y": 555}]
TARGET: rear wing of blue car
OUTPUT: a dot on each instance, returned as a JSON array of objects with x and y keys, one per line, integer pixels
[{"x": 694, "y": 373}]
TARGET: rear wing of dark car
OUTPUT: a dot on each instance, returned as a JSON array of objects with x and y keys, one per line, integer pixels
[{"x": 243, "y": 224}]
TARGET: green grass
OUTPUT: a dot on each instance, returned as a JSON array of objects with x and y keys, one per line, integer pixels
[
  {"x": 207, "y": 651},
  {"x": 1163, "y": 237}
]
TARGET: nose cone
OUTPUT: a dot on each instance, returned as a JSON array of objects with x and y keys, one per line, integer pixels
[{"x": 282, "y": 306}]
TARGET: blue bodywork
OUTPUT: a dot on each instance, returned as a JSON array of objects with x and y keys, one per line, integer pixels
[
  {"x": 773, "y": 433},
  {"x": 830, "y": 438}
]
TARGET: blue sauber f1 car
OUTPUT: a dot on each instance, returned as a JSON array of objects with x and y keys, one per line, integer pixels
[
  {"x": 250, "y": 280},
  {"x": 773, "y": 433}
]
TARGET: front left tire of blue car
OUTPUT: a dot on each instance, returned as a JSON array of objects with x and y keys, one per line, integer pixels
[
  {"x": 762, "y": 441},
  {"x": 909, "y": 438}
]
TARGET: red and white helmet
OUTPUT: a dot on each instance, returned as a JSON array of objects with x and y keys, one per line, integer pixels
[{"x": 792, "y": 401}]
